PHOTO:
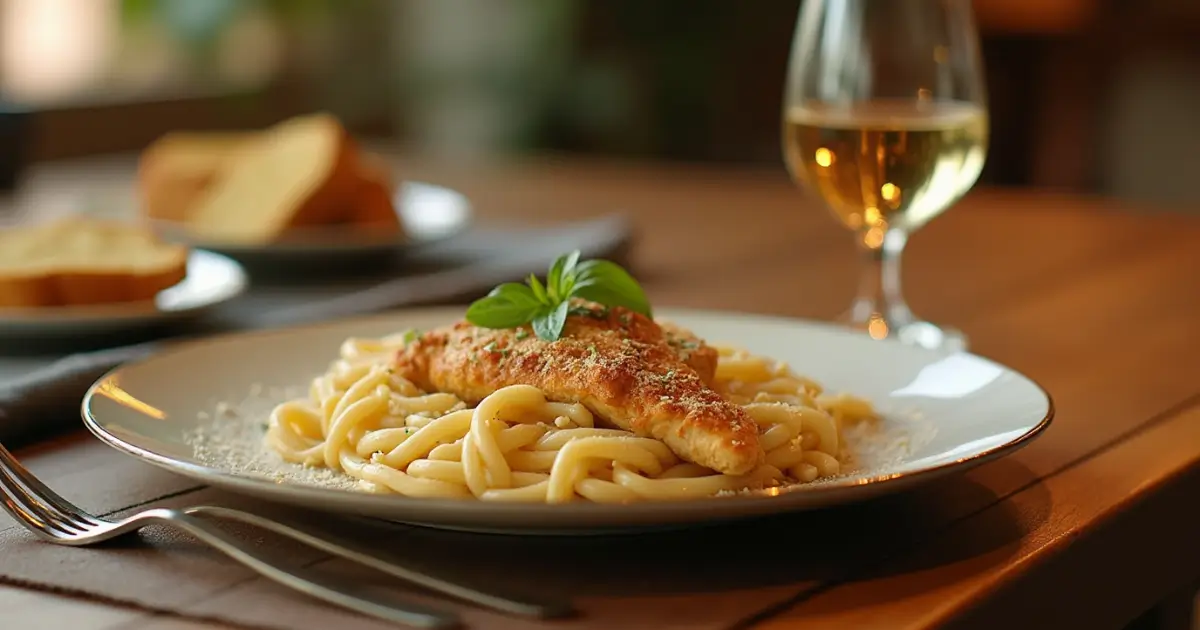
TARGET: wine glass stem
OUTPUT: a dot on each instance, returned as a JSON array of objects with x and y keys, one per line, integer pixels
[{"x": 880, "y": 307}]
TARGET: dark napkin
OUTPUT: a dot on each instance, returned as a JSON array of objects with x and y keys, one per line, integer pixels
[{"x": 45, "y": 399}]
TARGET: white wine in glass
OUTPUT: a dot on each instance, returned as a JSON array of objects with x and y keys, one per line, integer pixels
[{"x": 885, "y": 120}]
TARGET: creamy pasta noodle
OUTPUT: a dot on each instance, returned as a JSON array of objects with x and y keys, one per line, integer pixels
[{"x": 515, "y": 445}]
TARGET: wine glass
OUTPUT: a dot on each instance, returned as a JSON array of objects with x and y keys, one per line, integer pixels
[{"x": 885, "y": 119}]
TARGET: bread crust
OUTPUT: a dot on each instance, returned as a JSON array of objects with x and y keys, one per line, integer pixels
[
  {"x": 330, "y": 199},
  {"x": 373, "y": 208}
]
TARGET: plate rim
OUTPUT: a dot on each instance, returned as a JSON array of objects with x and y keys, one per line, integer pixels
[
  {"x": 131, "y": 312},
  {"x": 329, "y": 499}
]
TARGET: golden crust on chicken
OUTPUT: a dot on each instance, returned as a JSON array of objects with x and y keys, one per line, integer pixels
[{"x": 628, "y": 370}]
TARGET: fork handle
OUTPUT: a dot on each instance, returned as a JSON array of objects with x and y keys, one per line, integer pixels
[
  {"x": 380, "y": 604},
  {"x": 509, "y": 602}
]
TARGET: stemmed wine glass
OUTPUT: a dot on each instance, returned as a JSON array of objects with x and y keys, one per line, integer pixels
[{"x": 885, "y": 119}]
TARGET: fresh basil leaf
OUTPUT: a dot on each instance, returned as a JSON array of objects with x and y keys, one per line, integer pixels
[
  {"x": 607, "y": 283},
  {"x": 566, "y": 282},
  {"x": 411, "y": 335},
  {"x": 515, "y": 292},
  {"x": 501, "y": 312},
  {"x": 546, "y": 306},
  {"x": 561, "y": 277},
  {"x": 539, "y": 291},
  {"x": 572, "y": 260},
  {"x": 554, "y": 279},
  {"x": 548, "y": 324}
]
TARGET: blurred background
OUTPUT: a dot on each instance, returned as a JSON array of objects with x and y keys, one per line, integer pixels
[{"x": 1090, "y": 96}]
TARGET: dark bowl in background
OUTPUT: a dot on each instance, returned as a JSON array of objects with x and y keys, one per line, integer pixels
[{"x": 14, "y": 144}]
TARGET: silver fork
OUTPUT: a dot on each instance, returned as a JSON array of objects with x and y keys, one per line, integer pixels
[
  {"x": 53, "y": 518},
  {"x": 514, "y": 603}
]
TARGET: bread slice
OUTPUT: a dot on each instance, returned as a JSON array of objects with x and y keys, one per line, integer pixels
[
  {"x": 302, "y": 172},
  {"x": 80, "y": 261},
  {"x": 229, "y": 173},
  {"x": 178, "y": 169}
]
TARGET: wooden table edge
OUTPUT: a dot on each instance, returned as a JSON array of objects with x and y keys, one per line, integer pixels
[{"x": 1156, "y": 503}]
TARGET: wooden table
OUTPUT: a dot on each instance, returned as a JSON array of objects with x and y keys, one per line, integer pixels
[{"x": 1090, "y": 526}]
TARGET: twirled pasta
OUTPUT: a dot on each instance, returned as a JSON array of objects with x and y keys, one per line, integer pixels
[{"x": 517, "y": 446}]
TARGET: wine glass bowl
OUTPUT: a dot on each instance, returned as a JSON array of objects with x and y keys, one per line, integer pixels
[{"x": 885, "y": 121}]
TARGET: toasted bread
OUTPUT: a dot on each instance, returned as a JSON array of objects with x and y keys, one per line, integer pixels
[
  {"x": 255, "y": 187},
  {"x": 177, "y": 170},
  {"x": 79, "y": 261},
  {"x": 302, "y": 172}
]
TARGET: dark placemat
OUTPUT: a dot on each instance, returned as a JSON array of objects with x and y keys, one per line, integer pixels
[
  {"x": 42, "y": 382},
  {"x": 669, "y": 588}
]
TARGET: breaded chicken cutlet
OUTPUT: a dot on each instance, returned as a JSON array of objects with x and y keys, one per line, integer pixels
[{"x": 631, "y": 372}]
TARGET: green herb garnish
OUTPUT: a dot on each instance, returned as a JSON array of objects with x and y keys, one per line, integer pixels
[
  {"x": 546, "y": 306},
  {"x": 686, "y": 344},
  {"x": 495, "y": 349},
  {"x": 584, "y": 311},
  {"x": 411, "y": 335}
]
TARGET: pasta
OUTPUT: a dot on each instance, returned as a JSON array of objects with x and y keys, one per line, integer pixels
[{"x": 516, "y": 445}]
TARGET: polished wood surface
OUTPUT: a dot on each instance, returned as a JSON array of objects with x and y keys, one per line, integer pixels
[{"x": 1088, "y": 526}]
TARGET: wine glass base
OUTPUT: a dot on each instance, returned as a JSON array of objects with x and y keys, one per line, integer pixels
[
  {"x": 933, "y": 337},
  {"x": 918, "y": 333}
]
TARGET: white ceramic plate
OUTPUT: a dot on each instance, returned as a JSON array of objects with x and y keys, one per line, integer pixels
[
  {"x": 943, "y": 414},
  {"x": 211, "y": 280},
  {"x": 428, "y": 213}
]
